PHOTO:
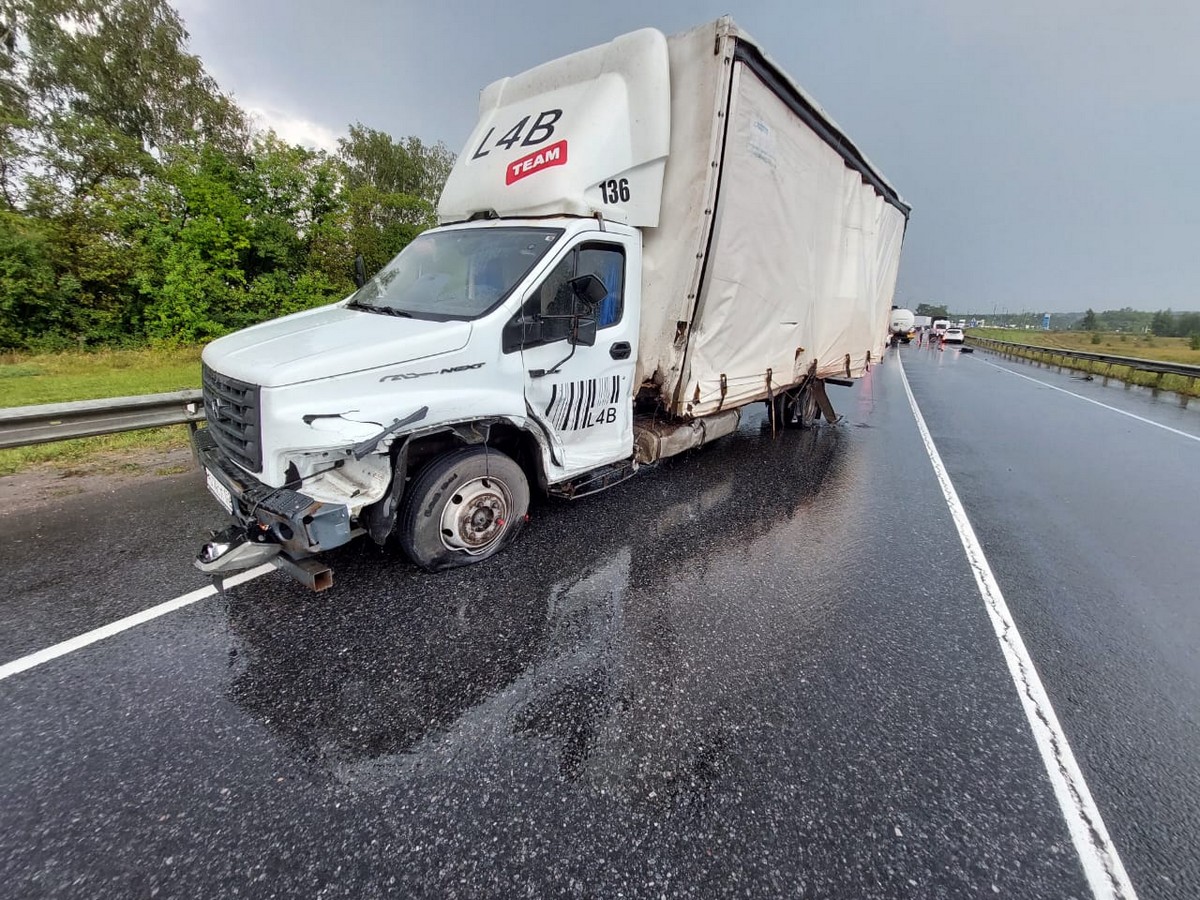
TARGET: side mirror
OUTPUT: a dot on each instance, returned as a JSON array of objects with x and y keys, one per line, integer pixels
[
  {"x": 589, "y": 289},
  {"x": 360, "y": 270}
]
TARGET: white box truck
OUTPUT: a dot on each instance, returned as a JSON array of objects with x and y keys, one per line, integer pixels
[{"x": 637, "y": 241}]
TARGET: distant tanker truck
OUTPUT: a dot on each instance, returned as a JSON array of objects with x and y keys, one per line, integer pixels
[{"x": 902, "y": 326}]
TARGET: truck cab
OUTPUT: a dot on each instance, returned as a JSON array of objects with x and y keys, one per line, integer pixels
[{"x": 474, "y": 328}]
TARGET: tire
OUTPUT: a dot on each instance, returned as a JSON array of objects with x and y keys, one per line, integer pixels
[
  {"x": 462, "y": 508},
  {"x": 800, "y": 411},
  {"x": 807, "y": 411},
  {"x": 784, "y": 408},
  {"x": 780, "y": 409}
]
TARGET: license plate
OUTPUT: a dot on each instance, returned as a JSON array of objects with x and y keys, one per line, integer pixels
[{"x": 219, "y": 491}]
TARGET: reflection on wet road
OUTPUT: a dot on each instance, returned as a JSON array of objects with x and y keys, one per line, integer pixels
[{"x": 614, "y": 650}]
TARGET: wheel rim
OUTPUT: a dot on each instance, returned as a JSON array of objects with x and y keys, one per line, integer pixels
[
  {"x": 808, "y": 409},
  {"x": 476, "y": 516}
]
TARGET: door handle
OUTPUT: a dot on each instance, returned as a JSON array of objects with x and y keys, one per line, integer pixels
[{"x": 619, "y": 350}]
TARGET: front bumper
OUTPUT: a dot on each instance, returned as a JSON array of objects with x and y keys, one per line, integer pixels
[{"x": 300, "y": 525}]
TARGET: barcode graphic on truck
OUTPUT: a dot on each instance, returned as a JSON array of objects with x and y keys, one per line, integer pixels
[{"x": 581, "y": 404}]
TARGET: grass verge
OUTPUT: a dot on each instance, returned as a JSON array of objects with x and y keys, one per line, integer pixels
[
  {"x": 26, "y": 380},
  {"x": 1139, "y": 346},
  {"x": 63, "y": 377},
  {"x": 107, "y": 454}
]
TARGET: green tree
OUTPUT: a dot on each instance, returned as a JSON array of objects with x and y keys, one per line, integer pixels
[
  {"x": 124, "y": 64},
  {"x": 194, "y": 234},
  {"x": 134, "y": 205},
  {"x": 1124, "y": 319},
  {"x": 1188, "y": 324},
  {"x": 300, "y": 253},
  {"x": 407, "y": 166},
  {"x": 934, "y": 312},
  {"x": 231, "y": 241},
  {"x": 33, "y": 305},
  {"x": 391, "y": 190},
  {"x": 1163, "y": 323},
  {"x": 1088, "y": 322},
  {"x": 98, "y": 95},
  {"x": 14, "y": 111}
]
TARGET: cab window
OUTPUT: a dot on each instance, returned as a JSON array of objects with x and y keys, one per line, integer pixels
[{"x": 554, "y": 296}]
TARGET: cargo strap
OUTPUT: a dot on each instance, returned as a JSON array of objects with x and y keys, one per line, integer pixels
[{"x": 771, "y": 402}]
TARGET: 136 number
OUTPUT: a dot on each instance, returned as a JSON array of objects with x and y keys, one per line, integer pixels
[{"x": 614, "y": 191}]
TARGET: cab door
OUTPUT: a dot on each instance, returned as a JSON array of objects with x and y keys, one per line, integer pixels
[{"x": 583, "y": 395}]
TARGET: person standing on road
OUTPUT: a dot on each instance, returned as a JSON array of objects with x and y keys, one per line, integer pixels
[{"x": 920, "y": 335}]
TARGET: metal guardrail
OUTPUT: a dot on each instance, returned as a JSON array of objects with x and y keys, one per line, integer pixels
[
  {"x": 1132, "y": 362},
  {"x": 1153, "y": 366},
  {"x": 21, "y": 426}
]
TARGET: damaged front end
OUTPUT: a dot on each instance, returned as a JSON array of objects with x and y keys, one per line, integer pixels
[{"x": 277, "y": 525}]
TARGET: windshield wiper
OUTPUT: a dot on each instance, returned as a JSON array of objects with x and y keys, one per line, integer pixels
[{"x": 382, "y": 310}]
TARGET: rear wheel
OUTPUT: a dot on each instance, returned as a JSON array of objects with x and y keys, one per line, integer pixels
[
  {"x": 463, "y": 508},
  {"x": 796, "y": 410},
  {"x": 783, "y": 407},
  {"x": 807, "y": 410}
]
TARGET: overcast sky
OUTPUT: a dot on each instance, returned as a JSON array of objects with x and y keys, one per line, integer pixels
[{"x": 1047, "y": 146}]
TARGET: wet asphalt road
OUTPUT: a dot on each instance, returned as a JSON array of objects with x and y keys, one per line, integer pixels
[{"x": 763, "y": 669}]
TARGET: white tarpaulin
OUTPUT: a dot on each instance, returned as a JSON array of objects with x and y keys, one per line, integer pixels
[{"x": 804, "y": 252}]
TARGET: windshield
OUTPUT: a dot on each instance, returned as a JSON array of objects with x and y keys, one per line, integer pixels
[{"x": 459, "y": 274}]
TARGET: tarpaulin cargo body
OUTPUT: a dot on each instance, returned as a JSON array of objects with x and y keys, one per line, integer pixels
[{"x": 778, "y": 243}]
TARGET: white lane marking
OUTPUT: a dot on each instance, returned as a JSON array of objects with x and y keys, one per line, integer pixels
[
  {"x": 1052, "y": 387},
  {"x": 1101, "y": 863},
  {"x": 70, "y": 646}
]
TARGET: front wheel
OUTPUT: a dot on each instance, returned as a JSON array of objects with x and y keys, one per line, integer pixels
[{"x": 463, "y": 508}]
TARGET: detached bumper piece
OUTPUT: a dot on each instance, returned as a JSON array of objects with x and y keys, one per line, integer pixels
[
  {"x": 276, "y": 524},
  {"x": 234, "y": 550}
]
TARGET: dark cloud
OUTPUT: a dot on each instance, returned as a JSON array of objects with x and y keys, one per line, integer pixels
[{"x": 1045, "y": 144}]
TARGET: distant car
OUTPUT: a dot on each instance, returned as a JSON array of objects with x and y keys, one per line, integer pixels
[{"x": 954, "y": 336}]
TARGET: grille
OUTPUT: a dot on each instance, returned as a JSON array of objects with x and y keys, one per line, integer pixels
[{"x": 231, "y": 407}]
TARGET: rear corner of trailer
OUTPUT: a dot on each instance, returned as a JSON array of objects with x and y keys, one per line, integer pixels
[{"x": 799, "y": 266}]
